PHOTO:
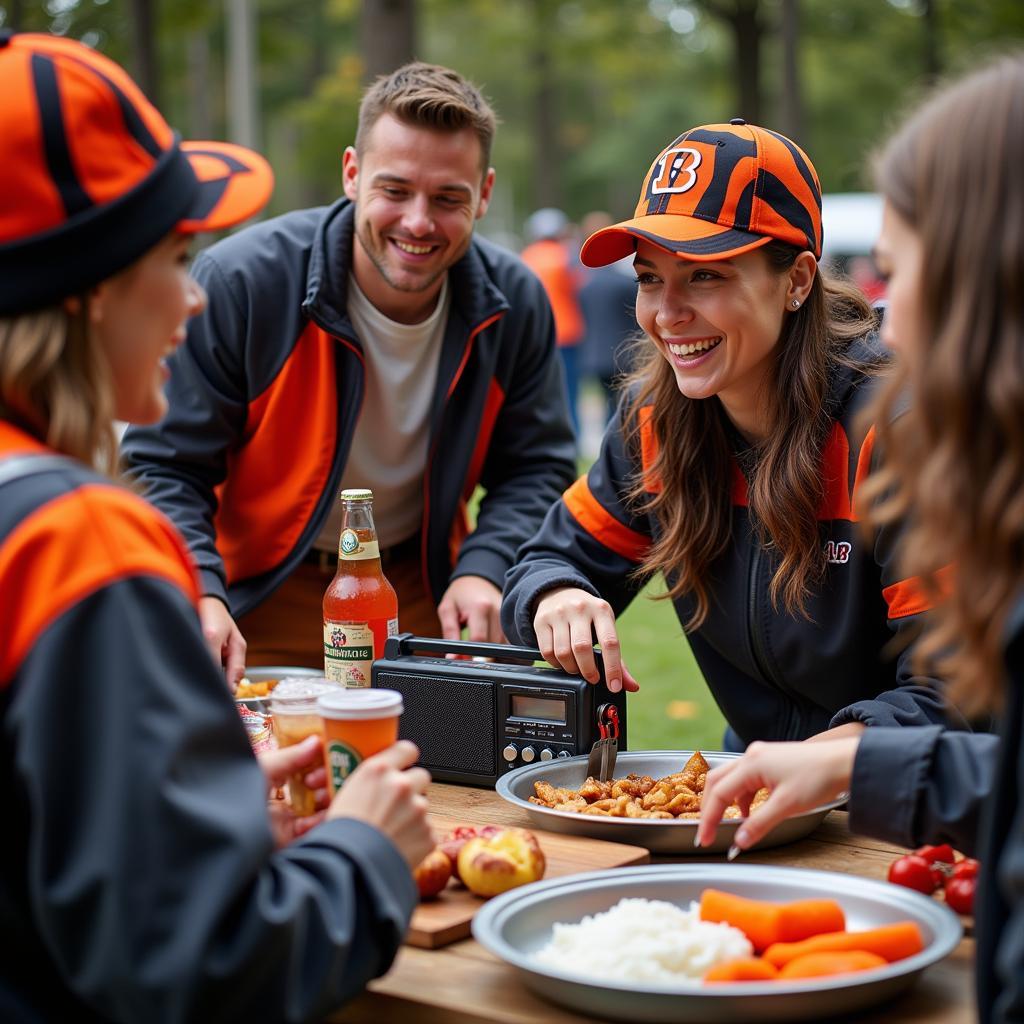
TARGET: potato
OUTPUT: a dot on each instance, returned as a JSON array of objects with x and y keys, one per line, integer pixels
[
  {"x": 493, "y": 864},
  {"x": 432, "y": 873}
]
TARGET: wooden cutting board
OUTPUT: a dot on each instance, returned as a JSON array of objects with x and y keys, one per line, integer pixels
[{"x": 447, "y": 918}]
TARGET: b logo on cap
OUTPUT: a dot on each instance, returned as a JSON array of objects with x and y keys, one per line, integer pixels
[{"x": 672, "y": 167}]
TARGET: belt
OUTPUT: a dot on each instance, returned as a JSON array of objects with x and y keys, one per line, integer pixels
[{"x": 404, "y": 551}]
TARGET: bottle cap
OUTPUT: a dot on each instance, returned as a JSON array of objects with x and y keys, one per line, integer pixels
[{"x": 356, "y": 494}]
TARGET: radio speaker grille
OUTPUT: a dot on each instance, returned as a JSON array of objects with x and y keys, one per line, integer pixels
[{"x": 450, "y": 720}]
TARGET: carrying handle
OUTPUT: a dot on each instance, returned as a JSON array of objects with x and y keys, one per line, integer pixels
[{"x": 408, "y": 643}]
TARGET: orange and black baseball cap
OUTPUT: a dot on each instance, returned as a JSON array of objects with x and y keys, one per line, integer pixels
[
  {"x": 92, "y": 177},
  {"x": 717, "y": 191}
]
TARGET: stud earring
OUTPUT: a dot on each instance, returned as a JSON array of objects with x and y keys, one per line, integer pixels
[{"x": 796, "y": 303}]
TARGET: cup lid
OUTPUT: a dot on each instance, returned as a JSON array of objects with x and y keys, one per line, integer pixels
[
  {"x": 299, "y": 690},
  {"x": 360, "y": 703}
]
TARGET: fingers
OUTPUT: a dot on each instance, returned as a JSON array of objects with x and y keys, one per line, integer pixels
[
  {"x": 279, "y": 764},
  {"x": 607, "y": 636},
  {"x": 448, "y": 616},
  {"x": 779, "y": 806},
  {"x": 400, "y": 755},
  {"x": 234, "y": 657},
  {"x": 628, "y": 682},
  {"x": 478, "y": 623}
]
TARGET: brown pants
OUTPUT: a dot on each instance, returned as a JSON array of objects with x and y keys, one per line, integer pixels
[{"x": 287, "y": 628}]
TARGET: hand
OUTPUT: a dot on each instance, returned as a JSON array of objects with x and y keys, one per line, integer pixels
[
  {"x": 278, "y": 767},
  {"x": 566, "y": 621},
  {"x": 849, "y": 729},
  {"x": 225, "y": 642},
  {"x": 387, "y": 792},
  {"x": 801, "y": 776},
  {"x": 473, "y": 602}
]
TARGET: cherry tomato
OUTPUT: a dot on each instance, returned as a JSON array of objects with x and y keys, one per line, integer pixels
[
  {"x": 914, "y": 872},
  {"x": 943, "y": 852},
  {"x": 960, "y": 894},
  {"x": 966, "y": 868}
]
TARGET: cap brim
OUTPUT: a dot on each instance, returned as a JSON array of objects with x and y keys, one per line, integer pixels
[
  {"x": 234, "y": 184},
  {"x": 687, "y": 237}
]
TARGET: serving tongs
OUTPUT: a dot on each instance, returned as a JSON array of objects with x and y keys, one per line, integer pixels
[{"x": 601, "y": 762}]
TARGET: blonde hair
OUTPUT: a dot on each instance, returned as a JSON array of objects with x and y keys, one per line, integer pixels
[{"x": 56, "y": 382}]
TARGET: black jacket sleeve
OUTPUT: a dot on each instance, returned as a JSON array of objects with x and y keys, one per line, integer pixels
[{"x": 152, "y": 875}]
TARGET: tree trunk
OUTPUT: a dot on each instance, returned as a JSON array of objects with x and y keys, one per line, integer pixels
[
  {"x": 932, "y": 57},
  {"x": 387, "y": 36},
  {"x": 546, "y": 190},
  {"x": 792, "y": 94},
  {"x": 197, "y": 56},
  {"x": 242, "y": 103},
  {"x": 16, "y": 11},
  {"x": 746, "y": 28},
  {"x": 147, "y": 72}
]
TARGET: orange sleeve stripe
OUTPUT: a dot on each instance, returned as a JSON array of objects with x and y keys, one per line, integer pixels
[
  {"x": 908, "y": 596},
  {"x": 602, "y": 525},
  {"x": 835, "y": 467},
  {"x": 73, "y": 546},
  {"x": 867, "y": 450},
  {"x": 649, "y": 451},
  {"x": 492, "y": 406}
]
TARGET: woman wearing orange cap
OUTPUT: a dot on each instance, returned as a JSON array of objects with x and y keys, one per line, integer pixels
[
  {"x": 952, "y": 248},
  {"x": 733, "y": 464},
  {"x": 140, "y": 877}
]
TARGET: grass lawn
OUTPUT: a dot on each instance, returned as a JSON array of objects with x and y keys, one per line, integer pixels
[{"x": 673, "y": 709}]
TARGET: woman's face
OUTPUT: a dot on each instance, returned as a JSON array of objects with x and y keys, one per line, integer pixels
[
  {"x": 717, "y": 324},
  {"x": 900, "y": 257},
  {"x": 138, "y": 318}
]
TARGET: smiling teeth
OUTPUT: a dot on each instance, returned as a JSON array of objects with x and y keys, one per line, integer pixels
[
  {"x": 413, "y": 250},
  {"x": 697, "y": 346}
]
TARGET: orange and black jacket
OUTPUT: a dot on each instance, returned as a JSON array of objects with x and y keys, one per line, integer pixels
[
  {"x": 775, "y": 676},
  {"x": 138, "y": 874},
  {"x": 265, "y": 393}
]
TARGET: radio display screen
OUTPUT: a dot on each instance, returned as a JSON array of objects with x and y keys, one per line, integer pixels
[{"x": 538, "y": 709}]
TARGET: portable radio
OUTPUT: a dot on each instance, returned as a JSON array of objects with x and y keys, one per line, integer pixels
[{"x": 475, "y": 720}]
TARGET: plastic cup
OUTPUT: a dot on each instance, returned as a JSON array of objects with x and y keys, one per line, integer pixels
[
  {"x": 357, "y": 723},
  {"x": 295, "y": 716}
]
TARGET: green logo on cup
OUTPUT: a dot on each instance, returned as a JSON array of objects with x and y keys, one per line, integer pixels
[
  {"x": 342, "y": 760},
  {"x": 349, "y": 542}
]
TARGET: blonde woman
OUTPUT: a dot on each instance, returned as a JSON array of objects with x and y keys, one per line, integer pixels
[{"x": 143, "y": 877}]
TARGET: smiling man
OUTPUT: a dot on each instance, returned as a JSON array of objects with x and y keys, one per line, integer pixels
[{"x": 372, "y": 343}]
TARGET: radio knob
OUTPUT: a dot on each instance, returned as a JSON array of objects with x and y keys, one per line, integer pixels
[
  {"x": 510, "y": 752},
  {"x": 546, "y": 754},
  {"x": 563, "y": 753},
  {"x": 528, "y": 754}
]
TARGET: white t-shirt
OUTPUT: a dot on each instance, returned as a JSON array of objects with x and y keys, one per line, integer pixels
[{"x": 389, "y": 447}]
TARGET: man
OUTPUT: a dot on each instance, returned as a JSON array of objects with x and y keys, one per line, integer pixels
[{"x": 373, "y": 343}]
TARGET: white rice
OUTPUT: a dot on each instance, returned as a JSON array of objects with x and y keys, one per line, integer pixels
[{"x": 643, "y": 940}]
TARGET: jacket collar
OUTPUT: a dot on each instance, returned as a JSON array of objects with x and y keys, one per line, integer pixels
[{"x": 475, "y": 295}]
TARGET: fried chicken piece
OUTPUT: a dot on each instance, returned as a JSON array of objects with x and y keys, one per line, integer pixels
[
  {"x": 634, "y": 786},
  {"x": 671, "y": 794},
  {"x": 593, "y": 789},
  {"x": 549, "y": 796},
  {"x": 695, "y": 772}
]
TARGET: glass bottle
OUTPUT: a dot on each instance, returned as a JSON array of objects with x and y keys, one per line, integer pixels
[{"x": 360, "y": 606}]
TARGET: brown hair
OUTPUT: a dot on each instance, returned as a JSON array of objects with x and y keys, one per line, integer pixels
[
  {"x": 953, "y": 464},
  {"x": 55, "y": 382},
  {"x": 694, "y": 461},
  {"x": 428, "y": 96}
]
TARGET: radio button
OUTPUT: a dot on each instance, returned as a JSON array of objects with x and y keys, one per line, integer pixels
[
  {"x": 528, "y": 754},
  {"x": 510, "y": 752},
  {"x": 563, "y": 753},
  {"x": 546, "y": 754}
]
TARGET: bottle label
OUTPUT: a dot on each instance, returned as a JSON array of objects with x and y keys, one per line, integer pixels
[
  {"x": 342, "y": 760},
  {"x": 352, "y": 549},
  {"x": 348, "y": 652}
]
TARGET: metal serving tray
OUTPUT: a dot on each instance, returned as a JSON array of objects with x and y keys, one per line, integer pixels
[
  {"x": 264, "y": 672},
  {"x": 659, "y": 836},
  {"x": 519, "y": 923}
]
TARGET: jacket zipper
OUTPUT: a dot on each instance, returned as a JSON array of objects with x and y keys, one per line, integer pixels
[{"x": 757, "y": 643}]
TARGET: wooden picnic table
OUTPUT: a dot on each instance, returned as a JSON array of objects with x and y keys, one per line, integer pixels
[{"x": 464, "y": 984}]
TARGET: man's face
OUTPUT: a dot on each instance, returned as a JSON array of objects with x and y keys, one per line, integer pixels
[{"x": 418, "y": 194}]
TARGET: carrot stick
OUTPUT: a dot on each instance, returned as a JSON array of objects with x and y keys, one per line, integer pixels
[
  {"x": 820, "y": 965},
  {"x": 747, "y": 968},
  {"x": 892, "y": 941},
  {"x": 765, "y": 923}
]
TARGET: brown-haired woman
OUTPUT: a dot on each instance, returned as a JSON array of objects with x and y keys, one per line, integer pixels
[
  {"x": 143, "y": 878},
  {"x": 731, "y": 467},
  {"x": 952, "y": 247}
]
